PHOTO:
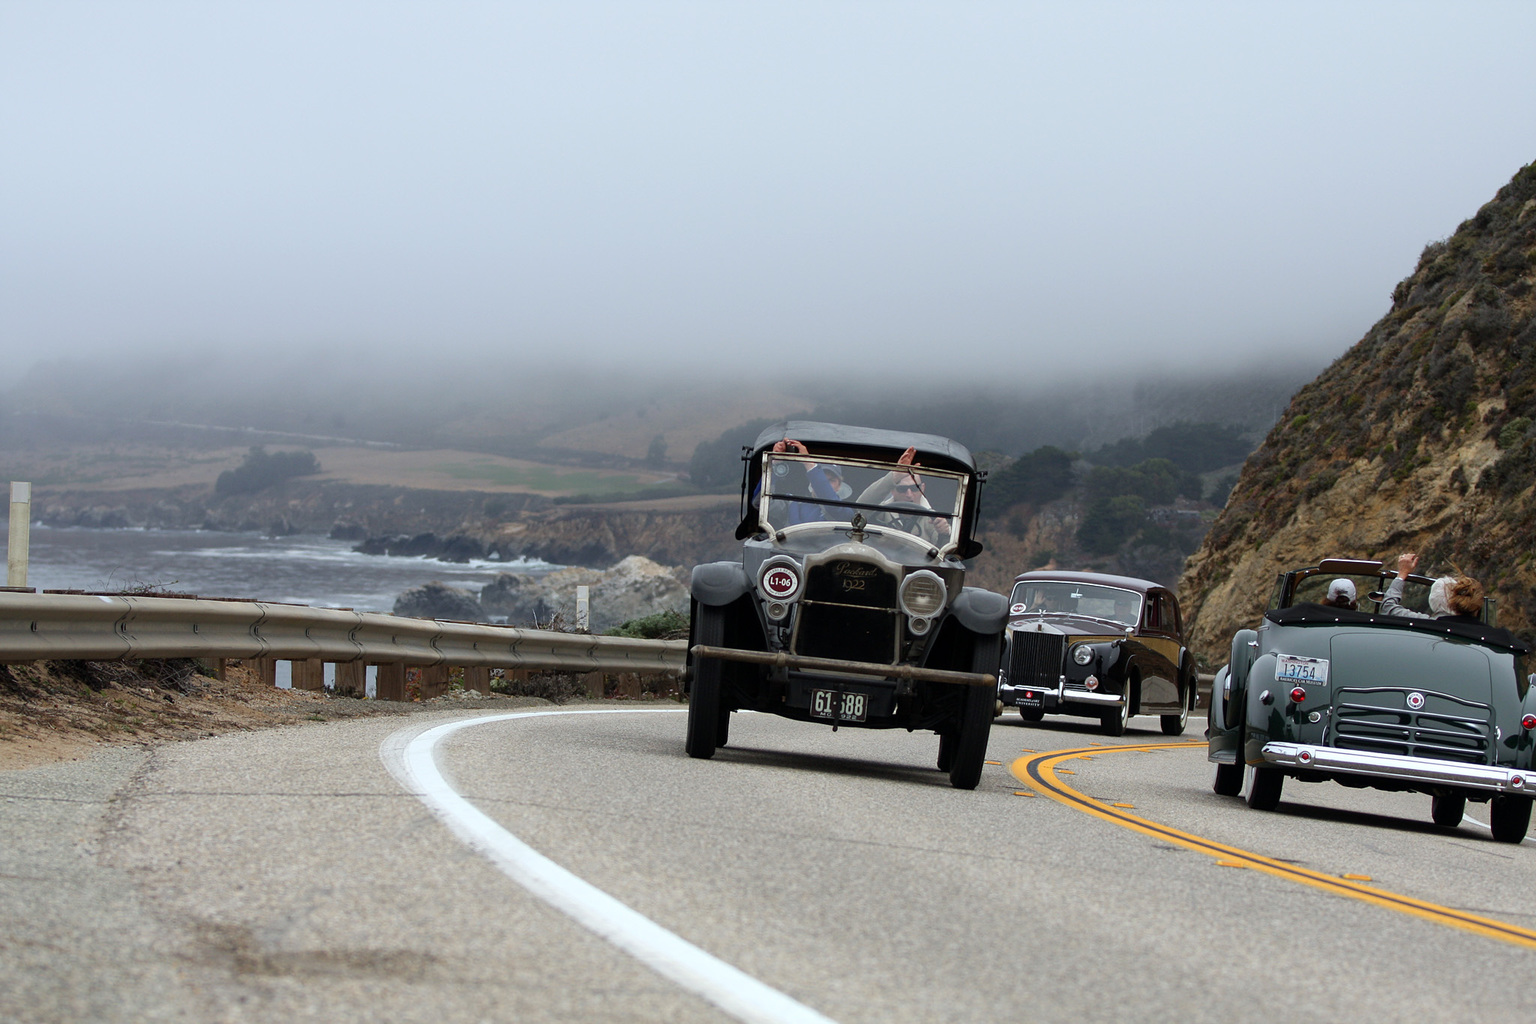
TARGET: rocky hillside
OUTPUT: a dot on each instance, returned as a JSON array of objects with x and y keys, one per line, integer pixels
[{"x": 1421, "y": 437}]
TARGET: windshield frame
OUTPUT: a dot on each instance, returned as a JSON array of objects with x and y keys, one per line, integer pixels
[{"x": 792, "y": 489}]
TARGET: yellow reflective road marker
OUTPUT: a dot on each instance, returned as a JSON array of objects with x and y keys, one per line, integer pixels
[
  {"x": 1022, "y": 792},
  {"x": 1041, "y": 771},
  {"x": 992, "y": 762}
]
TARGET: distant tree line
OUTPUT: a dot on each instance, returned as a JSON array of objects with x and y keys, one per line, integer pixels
[{"x": 261, "y": 469}]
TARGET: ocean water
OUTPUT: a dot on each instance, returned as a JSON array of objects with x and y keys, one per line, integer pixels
[{"x": 297, "y": 570}]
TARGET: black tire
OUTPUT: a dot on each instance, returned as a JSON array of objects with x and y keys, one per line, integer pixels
[
  {"x": 1173, "y": 725},
  {"x": 704, "y": 710},
  {"x": 1510, "y": 818},
  {"x": 976, "y": 716},
  {"x": 1229, "y": 780},
  {"x": 946, "y": 750},
  {"x": 1031, "y": 714},
  {"x": 1264, "y": 789},
  {"x": 1114, "y": 721},
  {"x": 1446, "y": 811},
  {"x": 723, "y": 728}
]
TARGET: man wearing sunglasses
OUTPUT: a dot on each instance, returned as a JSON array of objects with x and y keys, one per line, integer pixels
[{"x": 900, "y": 487}]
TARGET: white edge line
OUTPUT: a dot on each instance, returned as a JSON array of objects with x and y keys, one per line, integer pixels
[
  {"x": 1473, "y": 821},
  {"x": 411, "y": 760}
]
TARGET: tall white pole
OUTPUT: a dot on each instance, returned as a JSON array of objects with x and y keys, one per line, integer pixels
[{"x": 21, "y": 534}]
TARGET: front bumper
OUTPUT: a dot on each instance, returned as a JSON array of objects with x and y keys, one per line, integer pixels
[
  {"x": 1057, "y": 698},
  {"x": 805, "y": 663},
  {"x": 1424, "y": 771}
]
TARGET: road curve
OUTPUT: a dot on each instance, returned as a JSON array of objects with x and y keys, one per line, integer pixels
[{"x": 288, "y": 875}]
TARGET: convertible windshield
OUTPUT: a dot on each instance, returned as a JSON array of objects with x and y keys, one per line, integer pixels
[
  {"x": 800, "y": 490},
  {"x": 1369, "y": 591},
  {"x": 1045, "y": 598}
]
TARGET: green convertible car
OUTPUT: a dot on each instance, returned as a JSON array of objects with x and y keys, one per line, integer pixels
[{"x": 1318, "y": 693}]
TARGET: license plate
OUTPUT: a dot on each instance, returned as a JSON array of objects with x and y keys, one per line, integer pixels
[
  {"x": 1291, "y": 669},
  {"x": 1031, "y": 701},
  {"x": 842, "y": 706}
]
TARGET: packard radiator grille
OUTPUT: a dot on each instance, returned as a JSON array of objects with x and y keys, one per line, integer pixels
[
  {"x": 1387, "y": 730},
  {"x": 1034, "y": 659},
  {"x": 848, "y": 581}
]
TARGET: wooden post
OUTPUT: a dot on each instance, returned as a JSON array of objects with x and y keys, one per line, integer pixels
[
  {"x": 390, "y": 684},
  {"x": 477, "y": 678},
  {"x": 265, "y": 669},
  {"x": 434, "y": 681},
  {"x": 594, "y": 681},
  {"x": 308, "y": 674},
  {"x": 351, "y": 679}
]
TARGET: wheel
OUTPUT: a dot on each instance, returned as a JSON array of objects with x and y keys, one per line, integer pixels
[
  {"x": 1446, "y": 811},
  {"x": 975, "y": 717},
  {"x": 946, "y": 750},
  {"x": 1031, "y": 714},
  {"x": 1509, "y": 817},
  {"x": 1229, "y": 780},
  {"x": 1173, "y": 725},
  {"x": 723, "y": 727},
  {"x": 1264, "y": 788},
  {"x": 704, "y": 710},
  {"x": 1114, "y": 721}
]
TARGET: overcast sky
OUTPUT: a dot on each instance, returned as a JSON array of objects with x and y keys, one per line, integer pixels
[{"x": 975, "y": 188}]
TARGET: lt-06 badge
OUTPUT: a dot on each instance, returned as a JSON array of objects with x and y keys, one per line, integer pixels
[{"x": 1292, "y": 669}]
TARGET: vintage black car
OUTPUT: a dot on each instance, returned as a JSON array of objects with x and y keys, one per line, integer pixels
[
  {"x": 1107, "y": 647},
  {"x": 848, "y": 605},
  {"x": 1318, "y": 693}
]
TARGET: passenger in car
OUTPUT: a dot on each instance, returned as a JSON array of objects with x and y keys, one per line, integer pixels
[
  {"x": 899, "y": 487},
  {"x": 823, "y": 480},
  {"x": 1341, "y": 594},
  {"x": 1450, "y": 597}
]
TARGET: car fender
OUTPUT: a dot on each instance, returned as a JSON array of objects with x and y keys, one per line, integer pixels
[
  {"x": 1264, "y": 722},
  {"x": 980, "y": 611},
  {"x": 718, "y": 583},
  {"x": 1219, "y": 734}
]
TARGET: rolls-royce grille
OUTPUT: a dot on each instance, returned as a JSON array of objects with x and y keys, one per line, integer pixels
[
  {"x": 848, "y": 581},
  {"x": 1387, "y": 730},
  {"x": 1034, "y": 659},
  {"x": 848, "y": 632}
]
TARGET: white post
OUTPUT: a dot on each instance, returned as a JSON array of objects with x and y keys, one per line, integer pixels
[
  {"x": 583, "y": 610},
  {"x": 21, "y": 534}
]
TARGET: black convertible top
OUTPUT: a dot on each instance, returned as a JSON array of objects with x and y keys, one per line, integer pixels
[{"x": 1306, "y": 614}]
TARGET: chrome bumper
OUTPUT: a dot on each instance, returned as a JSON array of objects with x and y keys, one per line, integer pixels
[
  {"x": 1425, "y": 770},
  {"x": 1062, "y": 695}
]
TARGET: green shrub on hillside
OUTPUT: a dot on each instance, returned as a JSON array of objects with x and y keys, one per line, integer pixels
[
  {"x": 1043, "y": 475},
  {"x": 1195, "y": 447}
]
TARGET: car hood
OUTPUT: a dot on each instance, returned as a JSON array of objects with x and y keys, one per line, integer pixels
[{"x": 1066, "y": 625}]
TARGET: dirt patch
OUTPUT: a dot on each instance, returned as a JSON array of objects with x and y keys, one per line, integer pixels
[{"x": 61, "y": 710}]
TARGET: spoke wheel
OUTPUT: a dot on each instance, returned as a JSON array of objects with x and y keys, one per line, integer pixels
[
  {"x": 704, "y": 708},
  {"x": 1446, "y": 811},
  {"x": 1509, "y": 817}
]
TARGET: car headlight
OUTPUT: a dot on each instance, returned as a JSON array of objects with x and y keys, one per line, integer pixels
[
  {"x": 923, "y": 594},
  {"x": 1082, "y": 654}
]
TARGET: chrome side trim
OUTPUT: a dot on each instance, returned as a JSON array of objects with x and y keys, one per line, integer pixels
[{"x": 1395, "y": 766}]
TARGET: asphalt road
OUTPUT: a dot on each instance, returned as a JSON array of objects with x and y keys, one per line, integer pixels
[{"x": 288, "y": 875}]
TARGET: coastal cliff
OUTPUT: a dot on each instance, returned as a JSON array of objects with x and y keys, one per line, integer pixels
[{"x": 1421, "y": 437}]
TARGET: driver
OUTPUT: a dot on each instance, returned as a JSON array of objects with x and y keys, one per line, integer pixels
[{"x": 905, "y": 487}]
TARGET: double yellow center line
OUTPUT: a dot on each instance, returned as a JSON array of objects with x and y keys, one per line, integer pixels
[{"x": 1040, "y": 771}]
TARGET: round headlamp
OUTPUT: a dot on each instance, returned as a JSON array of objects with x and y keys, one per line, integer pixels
[
  {"x": 923, "y": 594},
  {"x": 1082, "y": 654}
]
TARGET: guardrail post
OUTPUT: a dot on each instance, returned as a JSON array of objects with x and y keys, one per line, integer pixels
[
  {"x": 594, "y": 684},
  {"x": 477, "y": 678},
  {"x": 351, "y": 679},
  {"x": 434, "y": 681},
  {"x": 390, "y": 684},
  {"x": 308, "y": 674},
  {"x": 265, "y": 669},
  {"x": 20, "y": 536}
]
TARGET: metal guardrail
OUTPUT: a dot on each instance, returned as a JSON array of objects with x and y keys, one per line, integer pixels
[{"x": 36, "y": 627}]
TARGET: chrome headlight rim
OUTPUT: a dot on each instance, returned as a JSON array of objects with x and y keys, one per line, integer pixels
[
  {"x": 1083, "y": 654},
  {"x": 923, "y": 594}
]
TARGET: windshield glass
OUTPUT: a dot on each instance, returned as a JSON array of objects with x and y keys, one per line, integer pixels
[
  {"x": 800, "y": 490},
  {"x": 1047, "y": 598},
  {"x": 1368, "y": 591}
]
